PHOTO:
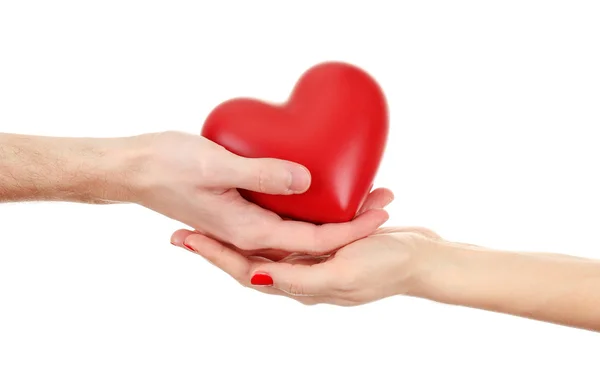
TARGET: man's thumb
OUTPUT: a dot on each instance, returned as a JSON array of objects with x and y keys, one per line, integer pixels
[{"x": 269, "y": 176}]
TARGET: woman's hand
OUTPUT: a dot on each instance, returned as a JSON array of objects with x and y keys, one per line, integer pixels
[
  {"x": 389, "y": 262},
  {"x": 555, "y": 288},
  {"x": 193, "y": 180}
]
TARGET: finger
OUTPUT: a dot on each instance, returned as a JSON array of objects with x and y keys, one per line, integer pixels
[
  {"x": 377, "y": 199},
  {"x": 231, "y": 262},
  {"x": 263, "y": 175},
  {"x": 312, "y": 239},
  {"x": 293, "y": 279},
  {"x": 239, "y": 267},
  {"x": 179, "y": 236}
]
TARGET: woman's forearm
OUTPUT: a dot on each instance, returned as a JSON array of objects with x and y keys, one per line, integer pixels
[
  {"x": 37, "y": 168},
  {"x": 548, "y": 287}
]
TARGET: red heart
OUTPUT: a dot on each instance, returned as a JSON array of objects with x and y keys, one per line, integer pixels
[{"x": 335, "y": 123}]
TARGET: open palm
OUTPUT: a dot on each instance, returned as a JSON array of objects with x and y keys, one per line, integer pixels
[{"x": 366, "y": 270}]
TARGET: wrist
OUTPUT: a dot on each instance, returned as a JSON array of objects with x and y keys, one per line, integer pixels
[
  {"x": 470, "y": 275},
  {"x": 441, "y": 269},
  {"x": 110, "y": 169}
]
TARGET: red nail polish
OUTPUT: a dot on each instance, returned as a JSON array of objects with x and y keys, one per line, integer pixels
[{"x": 261, "y": 279}]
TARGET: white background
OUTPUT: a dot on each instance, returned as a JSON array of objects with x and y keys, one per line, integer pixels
[{"x": 494, "y": 112}]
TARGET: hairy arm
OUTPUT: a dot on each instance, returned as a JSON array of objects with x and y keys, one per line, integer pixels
[
  {"x": 548, "y": 287},
  {"x": 89, "y": 170}
]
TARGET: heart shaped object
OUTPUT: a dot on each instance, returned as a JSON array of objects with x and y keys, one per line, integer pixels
[{"x": 335, "y": 123}]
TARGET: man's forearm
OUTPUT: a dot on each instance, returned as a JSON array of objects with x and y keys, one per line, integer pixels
[
  {"x": 553, "y": 288},
  {"x": 91, "y": 170}
]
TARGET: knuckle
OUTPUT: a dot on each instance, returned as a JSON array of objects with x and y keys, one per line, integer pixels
[
  {"x": 271, "y": 177},
  {"x": 262, "y": 180}
]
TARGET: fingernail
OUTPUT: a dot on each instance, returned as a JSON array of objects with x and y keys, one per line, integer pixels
[
  {"x": 388, "y": 201},
  {"x": 300, "y": 178},
  {"x": 382, "y": 222},
  {"x": 188, "y": 247},
  {"x": 261, "y": 279}
]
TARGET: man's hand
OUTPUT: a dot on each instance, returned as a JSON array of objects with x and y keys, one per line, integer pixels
[
  {"x": 185, "y": 177},
  {"x": 377, "y": 199},
  {"x": 193, "y": 180}
]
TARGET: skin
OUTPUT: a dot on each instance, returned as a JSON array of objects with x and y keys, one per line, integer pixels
[
  {"x": 417, "y": 262},
  {"x": 194, "y": 181},
  {"x": 185, "y": 177}
]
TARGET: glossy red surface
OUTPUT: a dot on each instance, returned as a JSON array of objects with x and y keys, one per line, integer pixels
[{"x": 335, "y": 123}]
